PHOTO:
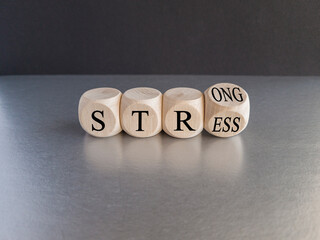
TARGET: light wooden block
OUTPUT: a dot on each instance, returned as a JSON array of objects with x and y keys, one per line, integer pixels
[
  {"x": 227, "y": 109},
  {"x": 140, "y": 112},
  {"x": 183, "y": 112},
  {"x": 99, "y": 112}
]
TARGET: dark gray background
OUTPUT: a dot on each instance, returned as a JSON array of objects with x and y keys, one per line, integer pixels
[{"x": 160, "y": 37}]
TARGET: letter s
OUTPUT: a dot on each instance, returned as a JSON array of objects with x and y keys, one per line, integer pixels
[
  {"x": 98, "y": 121},
  {"x": 236, "y": 124}
]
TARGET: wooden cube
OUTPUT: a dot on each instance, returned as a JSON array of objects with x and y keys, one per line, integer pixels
[
  {"x": 227, "y": 109},
  {"x": 182, "y": 115},
  {"x": 99, "y": 112},
  {"x": 140, "y": 112}
]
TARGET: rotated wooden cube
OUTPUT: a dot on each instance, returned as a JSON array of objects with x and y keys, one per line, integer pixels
[
  {"x": 182, "y": 115},
  {"x": 227, "y": 109},
  {"x": 140, "y": 112},
  {"x": 98, "y": 112}
]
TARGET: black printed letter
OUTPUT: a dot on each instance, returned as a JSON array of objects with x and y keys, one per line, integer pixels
[
  {"x": 212, "y": 92},
  {"x": 240, "y": 94},
  {"x": 236, "y": 124},
  {"x": 217, "y": 124},
  {"x": 97, "y": 120},
  {"x": 140, "y": 119},
  {"x": 179, "y": 121}
]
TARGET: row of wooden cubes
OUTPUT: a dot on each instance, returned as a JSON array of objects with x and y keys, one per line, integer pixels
[{"x": 222, "y": 110}]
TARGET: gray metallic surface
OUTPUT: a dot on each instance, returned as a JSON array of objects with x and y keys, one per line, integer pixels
[{"x": 59, "y": 183}]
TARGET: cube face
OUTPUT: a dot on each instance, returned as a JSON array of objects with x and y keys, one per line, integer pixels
[
  {"x": 93, "y": 119},
  {"x": 140, "y": 120},
  {"x": 227, "y": 109},
  {"x": 99, "y": 112},
  {"x": 140, "y": 112},
  {"x": 183, "y": 112}
]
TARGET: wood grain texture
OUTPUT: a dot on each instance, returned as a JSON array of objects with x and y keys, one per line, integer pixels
[
  {"x": 99, "y": 112},
  {"x": 227, "y": 109},
  {"x": 140, "y": 112},
  {"x": 182, "y": 115}
]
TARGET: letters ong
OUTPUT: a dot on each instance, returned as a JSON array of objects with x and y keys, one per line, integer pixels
[
  {"x": 223, "y": 94},
  {"x": 222, "y": 110}
]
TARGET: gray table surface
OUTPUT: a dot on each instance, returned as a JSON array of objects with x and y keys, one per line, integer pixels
[{"x": 59, "y": 183}]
